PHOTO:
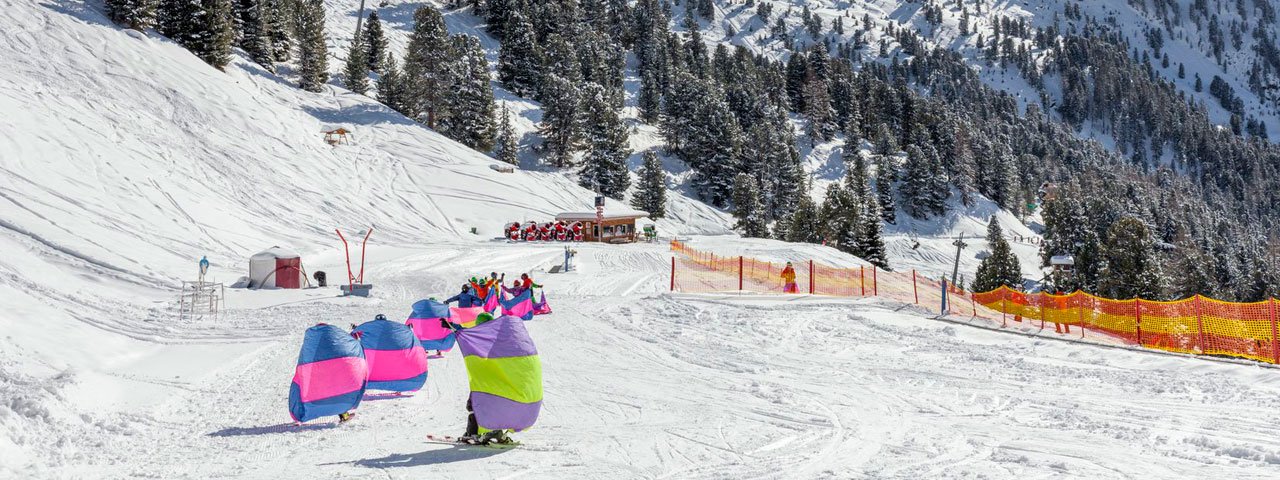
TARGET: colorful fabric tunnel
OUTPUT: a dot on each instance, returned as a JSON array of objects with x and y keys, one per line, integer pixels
[
  {"x": 331, "y": 374},
  {"x": 425, "y": 322},
  {"x": 465, "y": 316},
  {"x": 505, "y": 374},
  {"x": 396, "y": 360},
  {"x": 541, "y": 307},
  {"x": 519, "y": 306}
]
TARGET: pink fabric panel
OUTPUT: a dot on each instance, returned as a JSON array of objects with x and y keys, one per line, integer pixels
[
  {"x": 428, "y": 329},
  {"x": 387, "y": 365},
  {"x": 520, "y": 310},
  {"x": 330, "y": 378},
  {"x": 465, "y": 315}
]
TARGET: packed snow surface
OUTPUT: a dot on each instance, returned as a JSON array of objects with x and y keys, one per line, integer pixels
[{"x": 125, "y": 159}]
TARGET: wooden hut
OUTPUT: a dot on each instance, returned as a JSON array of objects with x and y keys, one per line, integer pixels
[{"x": 618, "y": 227}]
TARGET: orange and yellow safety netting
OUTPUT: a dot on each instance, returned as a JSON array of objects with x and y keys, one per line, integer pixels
[{"x": 1196, "y": 325}]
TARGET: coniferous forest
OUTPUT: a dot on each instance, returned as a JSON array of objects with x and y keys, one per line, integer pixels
[{"x": 1174, "y": 206}]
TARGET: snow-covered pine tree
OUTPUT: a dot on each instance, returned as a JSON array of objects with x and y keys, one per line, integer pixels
[
  {"x": 1195, "y": 272},
  {"x": 1129, "y": 266},
  {"x": 255, "y": 34},
  {"x": 1001, "y": 267},
  {"x": 805, "y": 225},
  {"x": 604, "y": 167},
  {"x": 391, "y": 88},
  {"x": 884, "y": 198},
  {"x": 561, "y": 111},
  {"x": 204, "y": 27},
  {"x": 871, "y": 236},
  {"x": 916, "y": 187},
  {"x": 651, "y": 193},
  {"x": 428, "y": 64},
  {"x": 747, "y": 208},
  {"x": 470, "y": 97},
  {"x": 518, "y": 65},
  {"x": 836, "y": 214},
  {"x": 313, "y": 53},
  {"x": 135, "y": 14},
  {"x": 375, "y": 42},
  {"x": 508, "y": 146},
  {"x": 355, "y": 73},
  {"x": 276, "y": 15}
]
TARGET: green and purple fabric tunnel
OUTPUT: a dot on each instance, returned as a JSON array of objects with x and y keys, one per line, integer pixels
[{"x": 505, "y": 374}]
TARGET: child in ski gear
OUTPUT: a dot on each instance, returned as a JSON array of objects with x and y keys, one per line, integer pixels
[
  {"x": 527, "y": 282},
  {"x": 789, "y": 279},
  {"x": 516, "y": 288},
  {"x": 465, "y": 298}
]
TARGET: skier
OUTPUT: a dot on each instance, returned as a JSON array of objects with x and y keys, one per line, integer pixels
[
  {"x": 789, "y": 279},
  {"x": 466, "y": 298},
  {"x": 472, "y": 434}
]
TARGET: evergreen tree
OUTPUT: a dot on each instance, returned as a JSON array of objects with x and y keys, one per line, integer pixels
[
  {"x": 428, "y": 67},
  {"x": 747, "y": 208},
  {"x": 1129, "y": 267},
  {"x": 204, "y": 27},
  {"x": 313, "y": 55},
  {"x": 560, "y": 129},
  {"x": 868, "y": 241},
  {"x": 469, "y": 101},
  {"x": 651, "y": 194},
  {"x": 836, "y": 217},
  {"x": 508, "y": 148},
  {"x": 255, "y": 33},
  {"x": 276, "y": 18},
  {"x": 1001, "y": 267},
  {"x": 135, "y": 14},
  {"x": 391, "y": 88},
  {"x": 917, "y": 184},
  {"x": 518, "y": 65},
  {"x": 355, "y": 73},
  {"x": 375, "y": 43},
  {"x": 884, "y": 198},
  {"x": 608, "y": 146},
  {"x": 804, "y": 226}
]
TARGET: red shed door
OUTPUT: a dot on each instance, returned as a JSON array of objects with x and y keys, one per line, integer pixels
[{"x": 288, "y": 270}]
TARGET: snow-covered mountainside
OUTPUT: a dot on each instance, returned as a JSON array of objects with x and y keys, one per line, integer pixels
[{"x": 1232, "y": 40}]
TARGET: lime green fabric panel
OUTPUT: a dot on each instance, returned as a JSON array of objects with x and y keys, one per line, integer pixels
[{"x": 515, "y": 378}]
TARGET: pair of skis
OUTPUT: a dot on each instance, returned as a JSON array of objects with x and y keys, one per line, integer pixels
[{"x": 452, "y": 440}]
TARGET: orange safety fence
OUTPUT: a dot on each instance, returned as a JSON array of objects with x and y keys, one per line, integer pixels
[
  {"x": 1196, "y": 325},
  {"x": 697, "y": 271}
]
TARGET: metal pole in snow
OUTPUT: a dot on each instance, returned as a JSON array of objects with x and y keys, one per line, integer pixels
[{"x": 673, "y": 273}]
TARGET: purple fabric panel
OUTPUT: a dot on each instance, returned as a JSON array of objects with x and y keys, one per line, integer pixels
[
  {"x": 501, "y": 337},
  {"x": 497, "y": 413}
]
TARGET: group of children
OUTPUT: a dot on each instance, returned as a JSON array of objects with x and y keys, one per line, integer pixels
[
  {"x": 558, "y": 231},
  {"x": 475, "y": 292}
]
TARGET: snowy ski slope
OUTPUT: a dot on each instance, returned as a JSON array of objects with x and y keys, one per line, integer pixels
[{"x": 125, "y": 159}]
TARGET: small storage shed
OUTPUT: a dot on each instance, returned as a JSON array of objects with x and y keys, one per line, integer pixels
[
  {"x": 618, "y": 227},
  {"x": 275, "y": 267}
]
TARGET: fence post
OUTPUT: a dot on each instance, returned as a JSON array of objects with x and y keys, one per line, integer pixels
[
  {"x": 1275, "y": 352},
  {"x": 1200, "y": 323},
  {"x": 811, "y": 275},
  {"x": 1004, "y": 306},
  {"x": 1079, "y": 313},
  {"x": 973, "y": 304},
  {"x": 862, "y": 278},
  {"x": 673, "y": 273},
  {"x": 1137, "y": 311},
  {"x": 739, "y": 273},
  {"x": 946, "y": 309},
  {"x": 915, "y": 289},
  {"x": 875, "y": 284}
]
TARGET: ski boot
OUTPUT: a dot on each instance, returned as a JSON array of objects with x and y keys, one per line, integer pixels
[{"x": 344, "y": 417}]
